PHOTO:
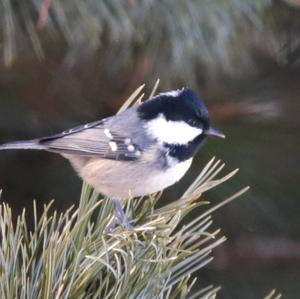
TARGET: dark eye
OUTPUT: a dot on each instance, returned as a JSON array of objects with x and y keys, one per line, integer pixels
[
  {"x": 198, "y": 115},
  {"x": 195, "y": 122}
]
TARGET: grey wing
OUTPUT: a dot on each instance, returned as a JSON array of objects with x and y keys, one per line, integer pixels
[{"x": 97, "y": 139}]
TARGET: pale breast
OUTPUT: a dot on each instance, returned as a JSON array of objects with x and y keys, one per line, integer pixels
[{"x": 127, "y": 179}]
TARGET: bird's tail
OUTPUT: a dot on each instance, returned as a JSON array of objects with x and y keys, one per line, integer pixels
[{"x": 28, "y": 144}]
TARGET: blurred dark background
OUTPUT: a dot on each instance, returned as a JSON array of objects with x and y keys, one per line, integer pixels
[{"x": 68, "y": 62}]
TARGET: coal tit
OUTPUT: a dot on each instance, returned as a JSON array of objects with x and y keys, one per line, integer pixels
[{"x": 140, "y": 151}]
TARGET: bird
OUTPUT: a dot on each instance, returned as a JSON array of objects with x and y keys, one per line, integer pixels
[{"x": 137, "y": 152}]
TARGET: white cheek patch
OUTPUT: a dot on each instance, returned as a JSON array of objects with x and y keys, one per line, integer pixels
[{"x": 172, "y": 132}]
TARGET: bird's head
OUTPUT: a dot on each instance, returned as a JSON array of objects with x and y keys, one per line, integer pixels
[{"x": 177, "y": 117}]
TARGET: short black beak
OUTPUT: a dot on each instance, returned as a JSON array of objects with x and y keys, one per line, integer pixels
[{"x": 214, "y": 132}]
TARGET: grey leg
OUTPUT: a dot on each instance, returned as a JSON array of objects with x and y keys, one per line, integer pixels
[
  {"x": 119, "y": 213},
  {"x": 120, "y": 216}
]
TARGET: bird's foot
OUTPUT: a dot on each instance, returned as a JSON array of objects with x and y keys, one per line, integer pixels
[{"x": 120, "y": 217}]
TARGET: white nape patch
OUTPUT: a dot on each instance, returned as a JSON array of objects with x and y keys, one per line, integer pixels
[
  {"x": 172, "y": 132},
  {"x": 172, "y": 93},
  {"x": 130, "y": 148},
  {"x": 113, "y": 146},
  {"x": 108, "y": 134}
]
